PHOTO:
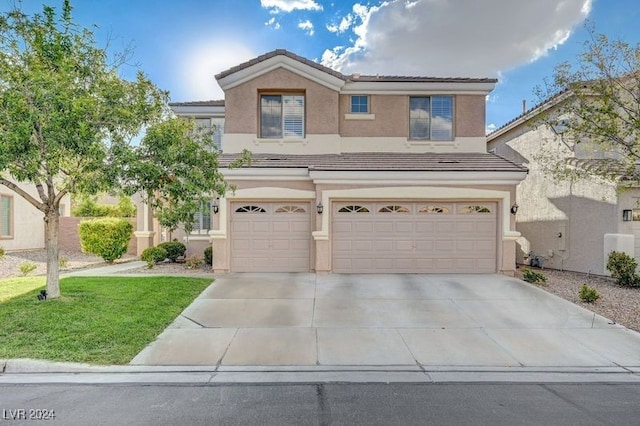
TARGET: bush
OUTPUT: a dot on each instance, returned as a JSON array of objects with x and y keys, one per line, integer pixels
[
  {"x": 193, "y": 262},
  {"x": 107, "y": 237},
  {"x": 27, "y": 267},
  {"x": 63, "y": 262},
  {"x": 533, "y": 277},
  {"x": 174, "y": 249},
  {"x": 623, "y": 269},
  {"x": 89, "y": 207},
  {"x": 1, "y": 252},
  {"x": 208, "y": 256},
  {"x": 588, "y": 294},
  {"x": 153, "y": 255}
]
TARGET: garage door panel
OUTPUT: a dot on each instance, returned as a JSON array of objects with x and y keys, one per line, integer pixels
[
  {"x": 270, "y": 237},
  {"x": 455, "y": 238}
]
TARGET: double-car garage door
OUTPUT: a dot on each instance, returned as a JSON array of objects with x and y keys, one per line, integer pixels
[{"x": 367, "y": 237}]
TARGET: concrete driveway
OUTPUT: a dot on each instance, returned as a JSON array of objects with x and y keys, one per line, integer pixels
[{"x": 388, "y": 320}]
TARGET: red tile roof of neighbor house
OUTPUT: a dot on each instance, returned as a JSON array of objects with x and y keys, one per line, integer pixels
[
  {"x": 219, "y": 102},
  {"x": 354, "y": 77},
  {"x": 383, "y": 161}
]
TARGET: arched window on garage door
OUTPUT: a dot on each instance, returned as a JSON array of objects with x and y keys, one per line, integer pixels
[
  {"x": 250, "y": 209},
  {"x": 394, "y": 209},
  {"x": 290, "y": 209},
  {"x": 353, "y": 209},
  {"x": 434, "y": 210},
  {"x": 474, "y": 209}
]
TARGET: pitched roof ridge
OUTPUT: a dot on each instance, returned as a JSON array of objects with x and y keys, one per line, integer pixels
[{"x": 210, "y": 102}]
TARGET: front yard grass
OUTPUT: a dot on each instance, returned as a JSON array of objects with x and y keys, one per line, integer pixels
[{"x": 98, "y": 320}]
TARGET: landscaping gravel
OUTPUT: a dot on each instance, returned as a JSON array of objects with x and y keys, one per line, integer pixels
[{"x": 619, "y": 304}]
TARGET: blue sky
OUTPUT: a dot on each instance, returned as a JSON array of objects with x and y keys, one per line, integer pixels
[{"x": 182, "y": 44}]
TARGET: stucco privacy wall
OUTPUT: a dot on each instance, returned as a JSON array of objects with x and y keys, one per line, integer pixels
[{"x": 561, "y": 221}]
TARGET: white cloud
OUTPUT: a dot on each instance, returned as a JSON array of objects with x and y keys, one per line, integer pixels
[
  {"x": 461, "y": 38},
  {"x": 277, "y": 6},
  {"x": 344, "y": 25},
  {"x": 200, "y": 62},
  {"x": 306, "y": 26},
  {"x": 273, "y": 23},
  {"x": 490, "y": 128}
]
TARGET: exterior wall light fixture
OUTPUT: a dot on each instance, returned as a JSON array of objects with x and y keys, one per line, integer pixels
[
  {"x": 215, "y": 207},
  {"x": 320, "y": 208},
  {"x": 514, "y": 208},
  {"x": 627, "y": 215}
]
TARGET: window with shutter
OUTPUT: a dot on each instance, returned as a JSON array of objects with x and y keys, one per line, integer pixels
[
  {"x": 282, "y": 116},
  {"x": 431, "y": 118}
]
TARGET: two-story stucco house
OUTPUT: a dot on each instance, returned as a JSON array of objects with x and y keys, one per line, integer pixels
[
  {"x": 358, "y": 173},
  {"x": 569, "y": 224}
]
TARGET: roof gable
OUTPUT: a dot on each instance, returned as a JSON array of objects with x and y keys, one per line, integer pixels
[{"x": 280, "y": 59}]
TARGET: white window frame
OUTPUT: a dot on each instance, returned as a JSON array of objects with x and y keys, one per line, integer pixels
[
  {"x": 200, "y": 224},
  {"x": 292, "y": 115}
]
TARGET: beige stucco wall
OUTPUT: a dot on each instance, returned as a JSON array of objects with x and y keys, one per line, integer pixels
[
  {"x": 28, "y": 223},
  {"x": 470, "y": 120},
  {"x": 241, "y": 103},
  {"x": 391, "y": 117},
  {"x": 561, "y": 221}
]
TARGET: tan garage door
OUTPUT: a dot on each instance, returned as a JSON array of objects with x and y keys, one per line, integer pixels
[
  {"x": 270, "y": 237},
  {"x": 420, "y": 237}
]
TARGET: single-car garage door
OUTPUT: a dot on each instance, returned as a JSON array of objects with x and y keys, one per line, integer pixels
[
  {"x": 270, "y": 237},
  {"x": 416, "y": 237}
]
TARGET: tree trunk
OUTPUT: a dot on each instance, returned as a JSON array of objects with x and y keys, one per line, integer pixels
[{"x": 51, "y": 229}]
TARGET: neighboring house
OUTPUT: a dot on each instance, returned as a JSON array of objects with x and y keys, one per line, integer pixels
[
  {"x": 564, "y": 224},
  {"x": 21, "y": 224},
  {"x": 359, "y": 173}
]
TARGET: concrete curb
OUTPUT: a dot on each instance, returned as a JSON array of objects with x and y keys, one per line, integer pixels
[{"x": 29, "y": 371}]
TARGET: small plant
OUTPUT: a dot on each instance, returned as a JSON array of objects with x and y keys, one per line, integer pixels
[
  {"x": 175, "y": 249},
  {"x": 533, "y": 277},
  {"x": 588, "y": 294},
  {"x": 153, "y": 255},
  {"x": 2, "y": 252},
  {"x": 27, "y": 267},
  {"x": 623, "y": 269},
  {"x": 193, "y": 262},
  {"x": 64, "y": 262},
  {"x": 208, "y": 256}
]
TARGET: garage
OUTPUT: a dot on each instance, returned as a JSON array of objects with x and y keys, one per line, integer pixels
[
  {"x": 414, "y": 237},
  {"x": 270, "y": 237}
]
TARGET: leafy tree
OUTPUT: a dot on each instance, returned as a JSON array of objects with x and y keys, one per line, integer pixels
[
  {"x": 175, "y": 169},
  {"x": 66, "y": 116},
  {"x": 595, "y": 105}
]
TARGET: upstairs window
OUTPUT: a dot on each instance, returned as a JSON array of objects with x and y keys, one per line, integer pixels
[
  {"x": 431, "y": 118},
  {"x": 359, "y": 104},
  {"x": 213, "y": 125},
  {"x": 282, "y": 116}
]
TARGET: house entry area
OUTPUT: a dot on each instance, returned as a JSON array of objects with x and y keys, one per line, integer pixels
[
  {"x": 270, "y": 237},
  {"x": 414, "y": 237}
]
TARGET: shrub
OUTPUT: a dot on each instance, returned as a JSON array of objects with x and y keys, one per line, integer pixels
[
  {"x": 106, "y": 237},
  {"x": 623, "y": 269},
  {"x": 2, "y": 252},
  {"x": 588, "y": 294},
  {"x": 89, "y": 207},
  {"x": 63, "y": 262},
  {"x": 27, "y": 267},
  {"x": 193, "y": 262},
  {"x": 533, "y": 277},
  {"x": 208, "y": 256},
  {"x": 153, "y": 255},
  {"x": 174, "y": 249}
]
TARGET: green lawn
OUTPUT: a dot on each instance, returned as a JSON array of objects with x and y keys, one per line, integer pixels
[{"x": 98, "y": 320}]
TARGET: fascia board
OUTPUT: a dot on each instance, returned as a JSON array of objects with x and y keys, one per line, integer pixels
[
  {"x": 266, "y": 173},
  {"x": 198, "y": 111},
  {"x": 268, "y": 65},
  {"x": 416, "y": 88},
  {"x": 418, "y": 178}
]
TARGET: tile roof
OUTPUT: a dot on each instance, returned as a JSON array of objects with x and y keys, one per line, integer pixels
[
  {"x": 383, "y": 161},
  {"x": 354, "y": 77},
  {"x": 219, "y": 102}
]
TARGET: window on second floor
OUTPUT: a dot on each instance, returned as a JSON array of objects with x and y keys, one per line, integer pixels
[
  {"x": 218, "y": 129},
  {"x": 282, "y": 116},
  {"x": 359, "y": 104},
  {"x": 6, "y": 216},
  {"x": 431, "y": 118}
]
